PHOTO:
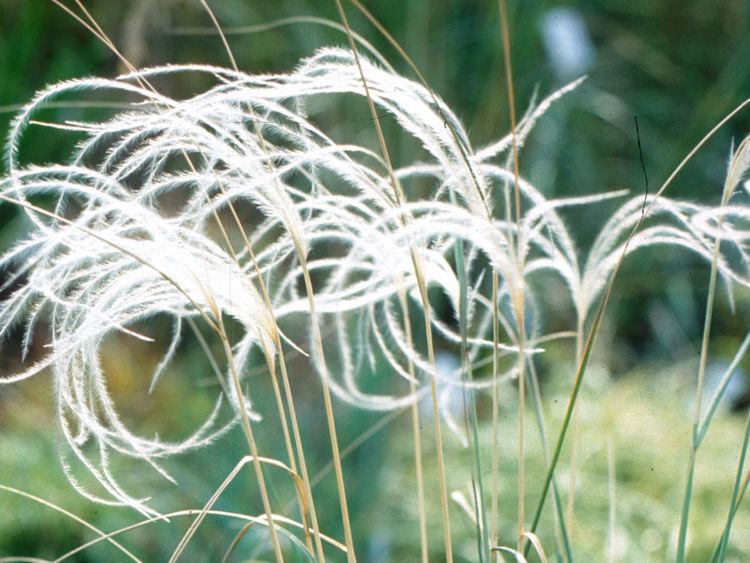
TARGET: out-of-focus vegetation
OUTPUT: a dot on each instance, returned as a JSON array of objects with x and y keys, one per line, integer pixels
[
  {"x": 677, "y": 66},
  {"x": 640, "y": 419}
]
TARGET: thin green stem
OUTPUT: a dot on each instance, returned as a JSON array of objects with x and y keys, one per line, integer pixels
[
  {"x": 740, "y": 497},
  {"x": 694, "y": 442},
  {"x": 495, "y": 409},
  {"x": 590, "y": 339},
  {"x": 735, "y": 492},
  {"x": 723, "y": 386},
  {"x": 563, "y": 537}
]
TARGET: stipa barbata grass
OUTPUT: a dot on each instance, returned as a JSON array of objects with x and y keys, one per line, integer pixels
[
  {"x": 132, "y": 233},
  {"x": 87, "y": 280}
]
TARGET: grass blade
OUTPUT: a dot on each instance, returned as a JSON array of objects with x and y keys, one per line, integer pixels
[{"x": 735, "y": 494}]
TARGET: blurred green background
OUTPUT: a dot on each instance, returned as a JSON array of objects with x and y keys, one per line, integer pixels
[{"x": 678, "y": 66}]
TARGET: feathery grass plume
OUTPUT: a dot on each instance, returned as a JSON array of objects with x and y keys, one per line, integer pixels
[
  {"x": 136, "y": 243},
  {"x": 126, "y": 234},
  {"x": 109, "y": 266},
  {"x": 213, "y": 129}
]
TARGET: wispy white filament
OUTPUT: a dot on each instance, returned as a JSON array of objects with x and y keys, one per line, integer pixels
[{"x": 141, "y": 225}]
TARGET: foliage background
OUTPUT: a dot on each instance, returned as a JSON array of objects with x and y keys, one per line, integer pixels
[{"x": 677, "y": 66}]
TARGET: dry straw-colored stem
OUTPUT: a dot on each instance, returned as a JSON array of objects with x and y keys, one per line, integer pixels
[
  {"x": 421, "y": 283},
  {"x": 94, "y": 27},
  {"x": 519, "y": 295},
  {"x": 276, "y": 338}
]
